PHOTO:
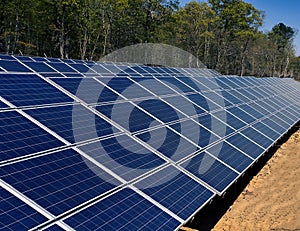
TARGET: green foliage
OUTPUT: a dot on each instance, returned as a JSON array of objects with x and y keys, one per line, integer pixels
[{"x": 223, "y": 34}]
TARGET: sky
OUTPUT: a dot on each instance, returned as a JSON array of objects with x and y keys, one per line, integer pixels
[{"x": 276, "y": 11}]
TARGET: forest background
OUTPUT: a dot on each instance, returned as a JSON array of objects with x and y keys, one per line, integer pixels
[{"x": 225, "y": 35}]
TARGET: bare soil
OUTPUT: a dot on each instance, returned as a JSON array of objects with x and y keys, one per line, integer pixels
[{"x": 271, "y": 201}]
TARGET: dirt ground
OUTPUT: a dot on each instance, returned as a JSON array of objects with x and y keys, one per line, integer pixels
[{"x": 271, "y": 201}]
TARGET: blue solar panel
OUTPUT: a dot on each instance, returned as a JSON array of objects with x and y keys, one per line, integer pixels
[
  {"x": 267, "y": 106},
  {"x": 191, "y": 83},
  {"x": 123, "y": 155},
  {"x": 40, "y": 67},
  {"x": 160, "y": 110},
  {"x": 87, "y": 89},
  {"x": 210, "y": 171},
  {"x": 213, "y": 127},
  {"x": 226, "y": 83},
  {"x": 257, "y": 137},
  {"x": 7, "y": 57},
  {"x": 20, "y": 137},
  {"x": 231, "y": 156},
  {"x": 126, "y": 87},
  {"x": 132, "y": 118},
  {"x": 74, "y": 123},
  {"x": 229, "y": 119},
  {"x": 3, "y": 105},
  {"x": 153, "y": 85},
  {"x": 60, "y": 181},
  {"x": 251, "y": 111},
  {"x": 267, "y": 131},
  {"x": 230, "y": 98},
  {"x": 284, "y": 116},
  {"x": 16, "y": 215},
  {"x": 218, "y": 127},
  {"x": 273, "y": 125},
  {"x": 217, "y": 99},
  {"x": 184, "y": 105},
  {"x": 168, "y": 143},
  {"x": 13, "y": 66},
  {"x": 61, "y": 67},
  {"x": 247, "y": 94},
  {"x": 175, "y": 191},
  {"x": 237, "y": 112},
  {"x": 29, "y": 90},
  {"x": 202, "y": 102},
  {"x": 175, "y": 84},
  {"x": 115, "y": 212},
  {"x": 24, "y": 58},
  {"x": 239, "y": 96},
  {"x": 82, "y": 68},
  {"x": 199, "y": 135},
  {"x": 245, "y": 145}
]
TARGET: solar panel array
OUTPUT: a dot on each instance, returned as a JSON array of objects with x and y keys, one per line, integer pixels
[{"x": 108, "y": 146}]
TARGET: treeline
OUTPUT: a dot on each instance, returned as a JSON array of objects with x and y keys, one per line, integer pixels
[{"x": 224, "y": 34}]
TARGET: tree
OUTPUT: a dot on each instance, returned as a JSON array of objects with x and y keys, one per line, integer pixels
[{"x": 282, "y": 38}]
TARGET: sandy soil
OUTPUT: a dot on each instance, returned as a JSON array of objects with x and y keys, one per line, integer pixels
[{"x": 271, "y": 201}]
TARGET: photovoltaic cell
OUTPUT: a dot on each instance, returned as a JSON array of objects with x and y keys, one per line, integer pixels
[
  {"x": 19, "y": 137},
  {"x": 176, "y": 191},
  {"x": 126, "y": 87},
  {"x": 203, "y": 102},
  {"x": 13, "y": 66},
  {"x": 62, "y": 67},
  {"x": 257, "y": 137},
  {"x": 237, "y": 112},
  {"x": 197, "y": 134},
  {"x": 123, "y": 155},
  {"x": 229, "y": 119},
  {"x": 230, "y": 155},
  {"x": 114, "y": 212},
  {"x": 16, "y": 215},
  {"x": 245, "y": 145},
  {"x": 132, "y": 118},
  {"x": 175, "y": 84},
  {"x": 29, "y": 90},
  {"x": 40, "y": 67},
  {"x": 60, "y": 181},
  {"x": 3, "y": 105},
  {"x": 267, "y": 131},
  {"x": 210, "y": 171},
  {"x": 168, "y": 143},
  {"x": 153, "y": 85},
  {"x": 74, "y": 123},
  {"x": 87, "y": 89}
]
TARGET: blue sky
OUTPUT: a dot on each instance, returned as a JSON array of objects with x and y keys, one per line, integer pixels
[{"x": 276, "y": 11}]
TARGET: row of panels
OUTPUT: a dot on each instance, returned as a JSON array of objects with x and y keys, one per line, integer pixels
[
  {"x": 50, "y": 68},
  {"x": 129, "y": 153}
]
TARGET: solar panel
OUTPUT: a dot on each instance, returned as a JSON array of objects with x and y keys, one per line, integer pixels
[
  {"x": 29, "y": 90},
  {"x": 231, "y": 156},
  {"x": 125, "y": 205},
  {"x": 176, "y": 191},
  {"x": 93, "y": 145},
  {"x": 19, "y": 137},
  {"x": 211, "y": 171},
  {"x": 74, "y": 123},
  {"x": 169, "y": 143},
  {"x": 123, "y": 156},
  {"x": 16, "y": 214},
  {"x": 3, "y": 105},
  {"x": 60, "y": 181},
  {"x": 13, "y": 66}
]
